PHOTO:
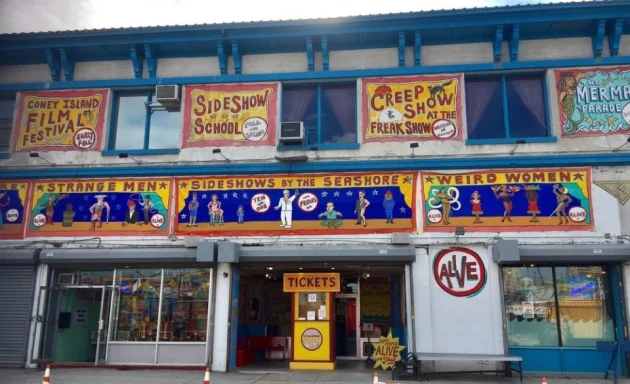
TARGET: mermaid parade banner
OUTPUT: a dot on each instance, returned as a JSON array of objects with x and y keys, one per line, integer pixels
[
  {"x": 296, "y": 204},
  {"x": 594, "y": 101},
  {"x": 508, "y": 200},
  {"x": 98, "y": 207},
  {"x": 13, "y": 196}
]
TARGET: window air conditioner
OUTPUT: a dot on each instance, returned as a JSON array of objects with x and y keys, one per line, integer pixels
[
  {"x": 292, "y": 133},
  {"x": 168, "y": 97},
  {"x": 66, "y": 279}
]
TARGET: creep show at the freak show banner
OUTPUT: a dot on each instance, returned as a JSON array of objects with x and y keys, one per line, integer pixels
[
  {"x": 98, "y": 207},
  {"x": 296, "y": 204},
  {"x": 13, "y": 195},
  {"x": 60, "y": 120},
  {"x": 504, "y": 200},
  {"x": 412, "y": 108},
  {"x": 594, "y": 101}
]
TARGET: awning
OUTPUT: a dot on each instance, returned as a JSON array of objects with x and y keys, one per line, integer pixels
[
  {"x": 127, "y": 255},
  {"x": 18, "y": 256},
  {"x": 509, "y": 251}
]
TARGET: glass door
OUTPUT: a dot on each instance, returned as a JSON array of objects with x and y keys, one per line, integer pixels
[
  {"x": 46, "y": 319},
  {"x": 346, "y": 325},
  {"x": 103, "y": 326}
]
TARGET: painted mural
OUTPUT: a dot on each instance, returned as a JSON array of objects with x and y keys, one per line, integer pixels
[
  {"x": 60, "y": 120},
  {"x": 98, "y": 207},
  {"x": 594, "y": 101},
  {"x": 296, "y": 204},
  {"x": 508, "y": 200},
  {"x": 13, "y": 195},
  {"x": 230, "y": 115},
  {"x": 412, "y": 108}
]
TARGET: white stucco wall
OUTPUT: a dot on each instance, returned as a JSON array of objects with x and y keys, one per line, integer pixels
[
  {"x": 549, "y": 49},
  {"x": 103, "y": 70},
  {"x": 188, "y": 66},
  {"x": 274, "y": 63},
  {"x": 363, "y": 59},
  {"x": 14, "y": 74}
]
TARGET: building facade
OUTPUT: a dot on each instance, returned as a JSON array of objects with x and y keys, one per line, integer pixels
[{"x": 464, "y": 172}]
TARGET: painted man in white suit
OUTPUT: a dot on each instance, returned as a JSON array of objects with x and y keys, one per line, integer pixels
[{"x": 286, "y": 206}]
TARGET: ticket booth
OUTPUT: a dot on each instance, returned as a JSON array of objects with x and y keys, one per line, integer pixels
[{"x": 312, "y": 319}]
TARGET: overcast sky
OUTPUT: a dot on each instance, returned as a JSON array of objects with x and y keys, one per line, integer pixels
[{"x": 56, "y": 15}]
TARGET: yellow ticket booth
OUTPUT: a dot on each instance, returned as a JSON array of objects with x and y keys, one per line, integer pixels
[{"x": 312, "y": 323}]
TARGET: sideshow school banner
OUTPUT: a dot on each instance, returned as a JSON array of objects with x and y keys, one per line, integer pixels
[
  {"x": 297, "y": 204},
  {"x": 412, "y": 108},
  {"x": 97, "y": 207},
  {"x": 230, "y": 115},
  {"x": 508, "y": 200},
  {"x": 13, "y": 195},
  {"x": 60, "y": 120},
  {"x": 593, "y": 101}
]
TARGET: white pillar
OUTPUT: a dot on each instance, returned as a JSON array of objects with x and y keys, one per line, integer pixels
[
  {"x": 36, "y": 327},
  {"x": 422, "y": 311},
  {"x": 222, "y": 304}
]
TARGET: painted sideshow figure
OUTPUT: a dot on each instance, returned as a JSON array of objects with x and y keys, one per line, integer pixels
[
  {"x": 445, "y": 199},
  {"x": 285, "y": 204},
  {"x": 475, "y": 201},
  {"x": 505, "y": 193},
  {"x": 97, "y": 211},
  {"x": 132, "y": 216},
  {"x": 330, "y": 217},
  {"x": 147, "y": 206},
  {"x": 2, "y": 205},
  {"x": 240, "y": 214},
  {"x": 531, "y": 193},
  {"x": 563, "y": 198},
  {"x": 214, "y": 208},
  {"x": 50, "y": 207},
  {"x": 388, "y": 204},
  {"x": 360, "y": 207},
  {"x": 193, "y": 208}
]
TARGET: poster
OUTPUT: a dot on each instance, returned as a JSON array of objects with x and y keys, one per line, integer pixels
[
  {"x": 230, "y": 115},
  {"x": 13, "y": 195},
  {"x": 593, "y": 101},
  {"x": 508, "y": 200},
  {"x": 60, "y": 120},
  {"x": 296, "y": 204},
  {"x": 98, "y": 207},
  {"x": 387, "y": 352},
  {"x": 412, "y": 108},
  {"x": 376, "y": 302}
]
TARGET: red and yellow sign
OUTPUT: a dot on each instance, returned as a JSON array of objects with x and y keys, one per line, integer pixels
[
  {"x": 60, "y": 120},
  {"x": 13, "y": 198},
  {"x": 412, "y": 108},
  {"x": 312, "y": 282},
  {"x": 387, "y": 352},
  {"x": 230, "y": 115}
]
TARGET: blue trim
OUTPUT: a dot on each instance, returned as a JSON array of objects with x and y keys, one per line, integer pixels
[
  {"x": 54, "y": 66},
  {"x": 325, "y": 56},
  {"x": 234, "y": 315},
  {"x": 546, "y": 104},
  {"x": 598, "y": 38},
  {"x": 614, "y": 38},
  {"x": 401, "y": 49},
  {"x": 147, "y": 122},
  {"x": 320, "y": 147},
  {"x": 113, "y": 120},
  {"x": 417, "y": 49},
  {"x": 310, "y": 55},
  {"x": 615, "y": 281},
  {"x": 528, "y": 140},
  {"x": 152, "y": 61},
  {"x": 506, "y": 111},
  {"x": 4, "y": 155},
  {"x": 514, "y": 41},
  {"x": 141, "y": 152},
  {"x": 67, "y": 64},
  {"x": 237, "y": 57},
  {"x": 377, "y": 165},
  {"x": 319, "y": 114},
  {"x": 497, "y": 44},
  {"x": 222, "y": 58},
  {"x": 137, "y": 60}
]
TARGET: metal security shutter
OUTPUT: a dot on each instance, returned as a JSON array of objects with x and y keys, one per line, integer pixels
[{"x": 16, "y": 295}]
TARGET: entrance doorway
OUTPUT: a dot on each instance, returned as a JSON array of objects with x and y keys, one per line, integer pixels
[{"x": 346, "y": 327}]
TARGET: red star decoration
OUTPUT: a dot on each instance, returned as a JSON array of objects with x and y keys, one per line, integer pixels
[
  {"x": 183, "y": 184},
  {"x": 163, "y": 185},
  {"x": 429, "y": 179},
  {"x": 408, "y": 180},
  {"x": 578, "y": 176},
  {"x": 40, "y": 188}
]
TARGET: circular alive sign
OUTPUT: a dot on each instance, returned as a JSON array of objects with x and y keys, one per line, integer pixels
[
  {"x": 459, "y": 272},
  {"x": 157, "y": 220},
  {"x": 444, "y": 129},
  {"x": 308, "y": 202},
  {"x": 260, "y": 203},
  {"x": 39, "y": 220},
  {"x": 84, "y": 138},
  {"x": 311, "y": 339},
  {"x": 577, "y": 214},
  {"x": 255, "y": 128},
  {"x": 12, "y": 215},
  {"x": 434, "y": 216}
]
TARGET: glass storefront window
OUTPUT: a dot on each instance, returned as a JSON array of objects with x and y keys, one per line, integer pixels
[
  {"x": 136, "y": 304},
  {"x": 185, "y": 305},
  {"x": 586, "y": 310},
  {"x": 312, "y": 306}
]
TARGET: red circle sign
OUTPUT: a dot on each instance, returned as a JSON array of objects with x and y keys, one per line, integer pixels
[{"x": 459, "y": 272}]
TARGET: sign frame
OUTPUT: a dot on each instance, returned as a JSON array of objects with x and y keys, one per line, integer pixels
[{"x": 334, "y": 288}]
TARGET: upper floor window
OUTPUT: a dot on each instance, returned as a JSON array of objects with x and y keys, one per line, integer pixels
[
  {"x": 7, "y": 107},
  {"x": 506, "y": 108},
  {"x": 142, "y": 124},
  {"x": 329, "y": 113}
]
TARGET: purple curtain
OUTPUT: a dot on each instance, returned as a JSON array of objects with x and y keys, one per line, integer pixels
[
  {"x": 531, "y": 94},
  {"x": 343, "y": 102},
  {"x": 478, "y": 96},
  {"x": 296, "y": 103}
]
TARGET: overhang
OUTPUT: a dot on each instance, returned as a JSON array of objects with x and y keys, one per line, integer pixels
[
  {"x": 509, "y": 251},
  {"x": 18, "y": 256},
  {"x": 127, "y": 255}
]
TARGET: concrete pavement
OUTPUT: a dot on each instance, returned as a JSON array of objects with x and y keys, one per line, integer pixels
[{"x": 112, "y": 376}]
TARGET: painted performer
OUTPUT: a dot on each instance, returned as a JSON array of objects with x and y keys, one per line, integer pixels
[
  {"x": 97, "y": 211},
  {"x": 563, "y": 198},
  {"x": 360, "y": 207},
  {"x": 147, "y": 206},
  {"x": 286, "y": 206},
  {"x": 2, "y": 205},
  {"x": 475, "y": 201},
  {"x": 240, "y": 214},
  {"x": 445, "y": 198},
  {"x": 330, "y": 217},
  {"x": 388, "y": 204},
  {"x": 531, "y": 193},
  {"x": 193, "y": 208},
  {"x": 132, "y": 216},
  {"x": 567, "y": 87},
  {"x": 50, "y": 207},
  {"x": 505, "y": 193},
  {"x": 214, "y": 208}
]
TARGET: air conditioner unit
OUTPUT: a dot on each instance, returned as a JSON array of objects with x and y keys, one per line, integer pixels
[
  {"x": 292, "y": 133},
  {"x": 66, "y": 279},
  {"x": 168, "y": 97}
]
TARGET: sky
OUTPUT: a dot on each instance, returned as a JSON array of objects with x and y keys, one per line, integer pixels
[{"x": 58, "y": 15}]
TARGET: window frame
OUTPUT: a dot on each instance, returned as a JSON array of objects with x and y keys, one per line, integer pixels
[
  {"x": 113, "y": 127},
  {"x": 9, "y": 96},
  {"x": 549, "y": 138},
  {"x": 318, "y": 145}
]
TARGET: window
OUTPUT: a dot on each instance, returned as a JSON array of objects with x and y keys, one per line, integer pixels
[
  {"x": 506, "y": 109},
  {"x": 329, "y": 113},
  {"x": 185, "y": 305},
  {"x": 567, "y": 306},
  {"x": 7, "y": 106},
  {"x": 140, "y": 125}
]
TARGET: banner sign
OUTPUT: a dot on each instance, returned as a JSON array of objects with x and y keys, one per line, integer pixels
[
  {"x": 60, "y": 120},
  {"x": 594, "y": 101},
  {"x": 13, "y": 195},
  {"x": 509, "y": 200},
  {"x": 230, "y": 115},
  {"x": 387, "y": 352},
  {"x": 311, "y": 282},
  {"x": 460, "y": 272},
  {"x": 376, "y": 302},
  {"x": 100, "y": 208},
  {"x": 412, "y": 108},
  {"x": 296, "y": 204}
]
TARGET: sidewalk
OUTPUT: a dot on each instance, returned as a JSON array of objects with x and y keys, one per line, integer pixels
[{"x": 112, "y": 376}]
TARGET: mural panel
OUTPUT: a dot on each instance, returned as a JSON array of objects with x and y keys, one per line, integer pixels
[
  {"x": 13, "y": 195},
  {"x": 296, "y": 204},
  {"x": 100, "y": 208},
  {"x": 508, "y": 200}
]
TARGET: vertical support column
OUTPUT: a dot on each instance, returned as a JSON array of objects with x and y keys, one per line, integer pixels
[
  {"x": 310, "y": 56},
  {"x": 497, "y": 44},
  {"x": 36, "y": 327},
  {"x": 598, "y": 38},
  {"x": 237, "y": 57},
  {"x": 137, "y": 59},
  {"x": 54, "y": 64},
  {"x": 66, "y": 64},
  {"x": 149, "y": 56},
  {"x": 222, "y": 58},
  {"x": 417, "y": 49},
  {"x": 401, "y": 49},
  {"x": 325, "y": 53},
  {"x": 514, "y": 40},
  {"x": 222, "y": 313},
  {"x": 614, "y": 37}
]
